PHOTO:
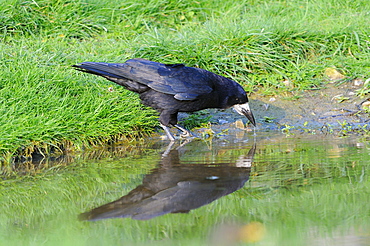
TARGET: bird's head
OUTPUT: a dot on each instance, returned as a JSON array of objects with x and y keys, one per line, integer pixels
[
  {"x": 239, "y": 101},
  {"x": 245, "y": 110}
]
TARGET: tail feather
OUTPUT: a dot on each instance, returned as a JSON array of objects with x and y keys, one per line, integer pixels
[
  {"x": 102, "y": 69},
  {"x": 115, "y": 72}
]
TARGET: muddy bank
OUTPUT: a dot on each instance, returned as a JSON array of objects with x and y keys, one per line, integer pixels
[
  {"x": 314, "y": 109},
  {"x": 335, "y": 107}
]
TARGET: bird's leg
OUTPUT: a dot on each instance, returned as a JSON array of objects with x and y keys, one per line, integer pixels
[
  {"x": 168, "y": 117},
  {"x": 168, "y": 133},
  {"x": 185, "y": 133},
  {"x": 168, "y": 149}
]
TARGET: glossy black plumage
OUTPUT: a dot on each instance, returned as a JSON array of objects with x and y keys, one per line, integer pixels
[{"x": 172, "y": 88}]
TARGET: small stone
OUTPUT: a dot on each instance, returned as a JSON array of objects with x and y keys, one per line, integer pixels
[
  {"x": 333, "y": 74},
  {"x": 239, "y": 124},
  {"x": 358, "y": 82},
  {"x": 288, "y": 83},
  {"x": 366, "y": 105}
]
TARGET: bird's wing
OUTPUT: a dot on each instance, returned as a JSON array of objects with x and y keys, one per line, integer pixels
[{"x": 185, "y": 83}]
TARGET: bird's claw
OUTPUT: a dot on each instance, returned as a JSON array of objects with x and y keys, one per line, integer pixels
[{"x": 186, "y": 134}]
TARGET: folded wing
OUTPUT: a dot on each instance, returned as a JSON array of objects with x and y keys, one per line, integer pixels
[{"x": 185, "y": 83}]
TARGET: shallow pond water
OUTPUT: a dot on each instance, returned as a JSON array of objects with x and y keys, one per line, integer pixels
[{"x": 268, "y": 189}]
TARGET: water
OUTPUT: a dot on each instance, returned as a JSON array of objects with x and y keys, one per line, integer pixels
[{"x": 269, "y": 189}]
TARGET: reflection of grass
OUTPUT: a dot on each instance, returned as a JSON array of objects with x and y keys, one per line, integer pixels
[
  {"x": 267, "y": 45},
  {"x": 295, "y": 186}
]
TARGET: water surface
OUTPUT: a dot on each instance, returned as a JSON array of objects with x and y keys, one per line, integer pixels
[{"x": 269, "y": 189}]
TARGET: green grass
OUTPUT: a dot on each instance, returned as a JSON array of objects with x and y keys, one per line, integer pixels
[{"x": 45, "y": 104}]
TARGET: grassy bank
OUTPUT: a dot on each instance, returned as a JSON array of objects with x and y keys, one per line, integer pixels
[{"x": 45, "y": 105}]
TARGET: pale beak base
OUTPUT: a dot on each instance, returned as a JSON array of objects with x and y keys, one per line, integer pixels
[{"x": 244, "y": 109}]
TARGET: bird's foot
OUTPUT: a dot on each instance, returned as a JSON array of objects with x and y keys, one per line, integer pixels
[
  {"x": 168, "y": 133},
  {"x": 185, "y": 133}
]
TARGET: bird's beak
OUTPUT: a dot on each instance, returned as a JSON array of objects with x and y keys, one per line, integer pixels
[{"x": 244, "y": 109}]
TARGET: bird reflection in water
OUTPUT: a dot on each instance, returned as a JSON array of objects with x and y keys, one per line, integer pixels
[{"x": 175, "y": 187}]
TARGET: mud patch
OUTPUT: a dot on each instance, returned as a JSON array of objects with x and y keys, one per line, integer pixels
[{"x": 335, "y": 107}]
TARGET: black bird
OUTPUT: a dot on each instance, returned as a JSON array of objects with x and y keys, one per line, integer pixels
[
  {"x": 175, "y": 187},
  {"x": 173, "y": 88}
]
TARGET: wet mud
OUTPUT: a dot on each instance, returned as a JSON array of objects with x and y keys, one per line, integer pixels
[
  {"x": 314, "y": 109},
  {"x": 335, "y": 107}
]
